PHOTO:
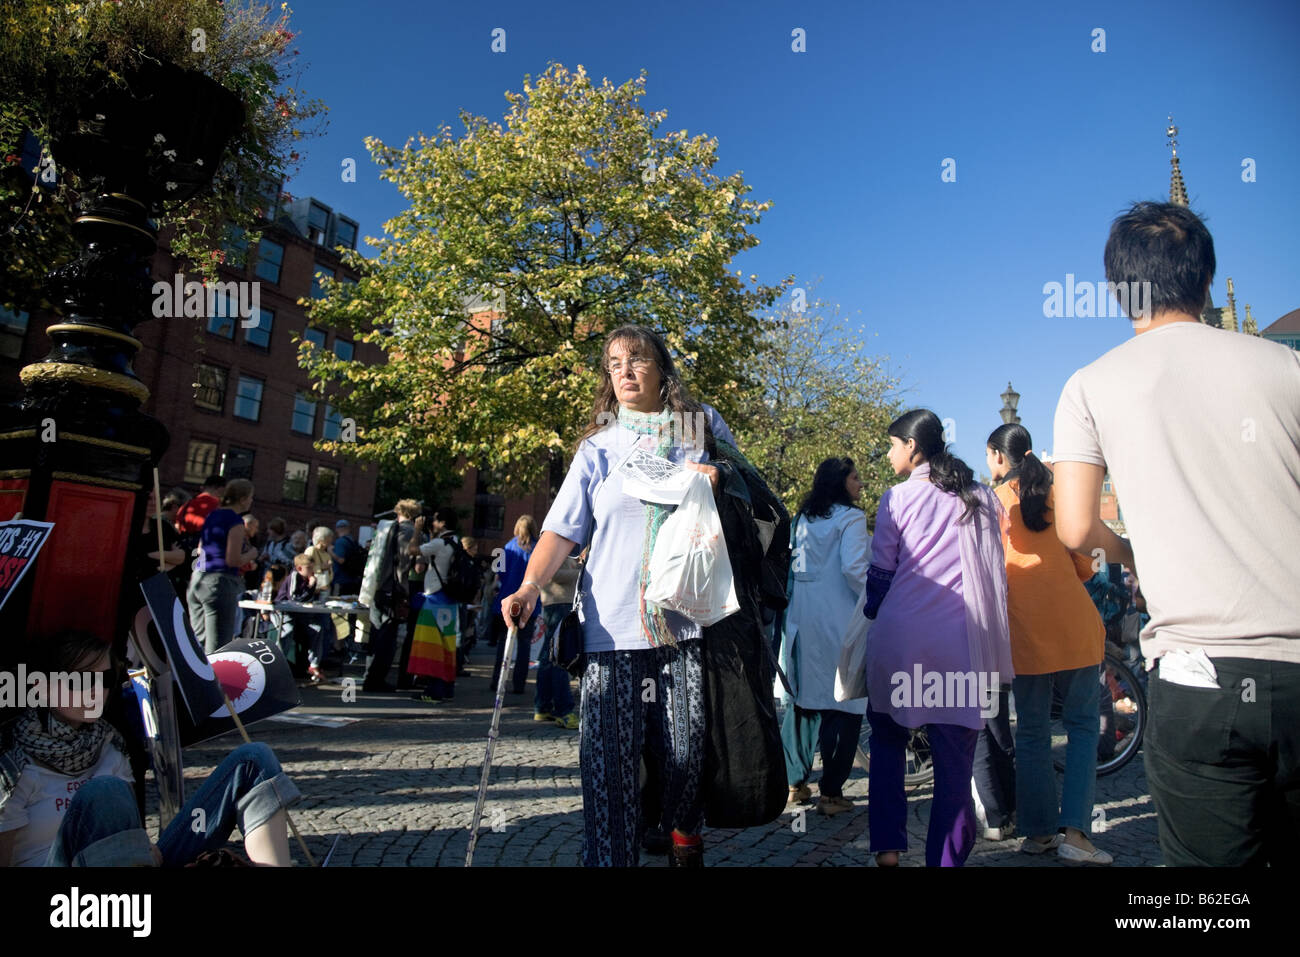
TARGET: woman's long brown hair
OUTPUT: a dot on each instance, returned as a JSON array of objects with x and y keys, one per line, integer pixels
[{"x": 676, "y": 398}]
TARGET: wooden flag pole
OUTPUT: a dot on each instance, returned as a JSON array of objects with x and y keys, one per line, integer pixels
[
  {"x": 157, "y": 512},
  {"x": 247, "y": 740}
]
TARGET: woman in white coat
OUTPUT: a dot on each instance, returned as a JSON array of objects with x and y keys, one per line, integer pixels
[{"x": 832, "y": 551}]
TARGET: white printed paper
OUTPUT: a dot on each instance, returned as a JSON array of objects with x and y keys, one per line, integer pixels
[{"x": 653, "y": 479}]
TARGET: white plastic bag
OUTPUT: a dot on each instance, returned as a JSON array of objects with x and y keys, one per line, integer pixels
[
  {"x": 690, "y": 571},
  {"x": 851, "y": 673}
]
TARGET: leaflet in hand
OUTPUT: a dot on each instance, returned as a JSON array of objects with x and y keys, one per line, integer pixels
[{"x": 653, "y": 479}]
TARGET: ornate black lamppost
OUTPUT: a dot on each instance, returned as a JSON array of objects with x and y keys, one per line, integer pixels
[{"x": 77, "y": 450}]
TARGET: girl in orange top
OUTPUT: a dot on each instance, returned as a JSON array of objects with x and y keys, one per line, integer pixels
[{"x": 1057, "y": 642}]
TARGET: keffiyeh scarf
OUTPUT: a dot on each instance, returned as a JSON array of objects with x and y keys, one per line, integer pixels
[{"x": 62, "y": 747}]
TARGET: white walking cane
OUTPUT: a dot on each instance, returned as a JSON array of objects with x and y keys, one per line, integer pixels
[{"x": 507, "y": 659}]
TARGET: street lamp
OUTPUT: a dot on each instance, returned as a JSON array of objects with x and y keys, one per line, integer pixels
[{"x": 1010, "y": 399}]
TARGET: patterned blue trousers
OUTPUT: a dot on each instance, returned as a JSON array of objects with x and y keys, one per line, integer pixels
[{"x": 627, "y": 695}]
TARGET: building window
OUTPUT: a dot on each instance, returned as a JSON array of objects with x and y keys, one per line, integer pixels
[
  {"x": 270, "y": 258},
  {"x": 1105, "y": 486},
  {"x": 304, "y": 414},
  {"x": 489, "y": 515},
  {"x": 318, "y": 218},
  {"x": 327, "y": 486},
  {"x": 237, "y": 463},
  {"x": 333, "y": 424},
  {"x": 248, "y": 399},
  {"x": 315, "y": 336},
  {"x": 295, "y": 481},
  {"x": 225, "y": 311},
  {"x": 317, "y": 286},
  {"x": 234, "y": 243},
  {"x": 346, "y": 233},
  {"x": 343, "y": 349},
  {"x": 211, "y": 391},
  {"x": 269, "y": 197},
  {"x": 260, "y": 334},
  {"x": 200, "y": 461}
]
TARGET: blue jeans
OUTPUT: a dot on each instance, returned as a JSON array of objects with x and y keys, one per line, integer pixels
[
  {"x": 553, "y": 693},
  {"x": 102, "y": 825},
  {"x": 1037, "y": 809}
]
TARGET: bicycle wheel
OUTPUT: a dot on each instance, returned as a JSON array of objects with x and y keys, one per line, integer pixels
[
  {"x": 1121, "y": 718},
  {"x": 918, "y": 767}
]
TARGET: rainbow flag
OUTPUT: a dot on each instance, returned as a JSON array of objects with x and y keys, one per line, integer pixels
[{"x": 433, "y": 645}]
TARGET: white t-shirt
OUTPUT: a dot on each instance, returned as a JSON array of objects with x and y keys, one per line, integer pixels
[
  {"x": 438, "y": 552},
  {"x": 38, "y": 803},
  {"x": 1200, "y": 429}
]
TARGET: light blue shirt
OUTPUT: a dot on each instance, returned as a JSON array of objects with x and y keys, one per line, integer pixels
[{"x": 591, "y": 508}]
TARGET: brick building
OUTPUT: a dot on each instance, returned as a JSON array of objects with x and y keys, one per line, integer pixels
[{"x": 232, "y": 396}]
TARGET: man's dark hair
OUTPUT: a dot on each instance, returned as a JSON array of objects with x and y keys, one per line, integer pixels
[
  {"x": 1166, "y": 245},
  {"x": 214, "y": 481}
]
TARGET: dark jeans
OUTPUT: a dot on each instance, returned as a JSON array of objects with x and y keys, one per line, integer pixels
[
  {"x": 995, "y": 765},
  {"x": 102, "y": 825},
  {"x": 300, "y": 634},
  {"x": 1223, "y": 765},
  {"x": 406, "y": 680},
  {"x": 383, "y": 646},
  {"x": 520, "y": 675},
  {"x": 834, "y": 732}
]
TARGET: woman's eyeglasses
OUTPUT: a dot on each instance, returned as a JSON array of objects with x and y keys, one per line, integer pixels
[{"x": 638, "y": 364}]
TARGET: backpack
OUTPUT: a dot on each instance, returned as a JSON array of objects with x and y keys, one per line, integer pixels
[{"x": 463, "y": 578}]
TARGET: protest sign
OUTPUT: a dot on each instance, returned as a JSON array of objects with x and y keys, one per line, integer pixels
[
  {"x": 20, "y": 540},
  {"x": 255, "y": 677},
  {"x": 158, "y": 715},
  {"x": 189, "y": 666}
]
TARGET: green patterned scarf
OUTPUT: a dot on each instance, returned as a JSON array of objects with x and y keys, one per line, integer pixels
[{"x": 654, "y": 626}]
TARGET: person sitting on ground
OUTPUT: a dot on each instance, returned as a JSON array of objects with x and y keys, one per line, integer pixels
[{"x": 66, "y": 748}]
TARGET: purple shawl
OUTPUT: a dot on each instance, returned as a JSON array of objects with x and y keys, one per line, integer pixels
[{"x": 984, "y": 588}]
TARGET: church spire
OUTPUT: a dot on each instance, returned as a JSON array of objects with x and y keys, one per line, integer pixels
[
  {"x": 1177, "y": 191},
  {"x": 1249, "y": 327},
  {"x": 1228, "y": 314}
]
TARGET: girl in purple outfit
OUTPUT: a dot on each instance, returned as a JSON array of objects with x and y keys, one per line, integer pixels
[{"x": 939, "y": 648}]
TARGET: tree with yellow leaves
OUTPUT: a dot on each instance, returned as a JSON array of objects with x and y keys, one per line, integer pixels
[{"x": 524, "y": 242}]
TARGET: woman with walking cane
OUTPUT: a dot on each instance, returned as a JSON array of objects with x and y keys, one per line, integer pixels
[{"x": 643, "y": 664}]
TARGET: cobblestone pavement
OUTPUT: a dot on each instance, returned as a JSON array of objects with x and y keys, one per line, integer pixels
[{"x": 396, "y": 787}]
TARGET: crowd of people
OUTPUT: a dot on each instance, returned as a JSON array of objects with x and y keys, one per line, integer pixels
[{"x": 996, "y": 585}]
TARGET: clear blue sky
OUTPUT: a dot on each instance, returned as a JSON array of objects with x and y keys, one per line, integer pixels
[{"x": 1050, "y": 140}]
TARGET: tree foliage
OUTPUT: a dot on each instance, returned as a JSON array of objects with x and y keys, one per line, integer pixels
[
  {"x": 571, "y": 217},
  {"x": 821, "y": 394},
  {"x": 56, "y": 56}
]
